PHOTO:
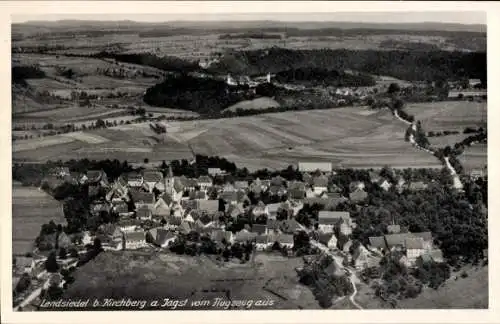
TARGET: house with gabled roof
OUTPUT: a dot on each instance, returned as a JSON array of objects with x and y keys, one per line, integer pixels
[
  {"x": 358, "y": 195},
  {"x": 285, "y": 241},
  {"x": 24, "y": 264},
  {"x": 205, "y": 182},
  {"x": 262, "y": 242},
  {"x": 374, "y": 176},
  {"x": 134, "y": 179},
  {"x": 259, "y": 229},
  {"x": 393, "y": 229},
  {"x": 241, "y": 185},
  {"x": 151, "y": 178},
  {"x": 215, "y": 171},
  {"x": 143, "y": 213},
  {"x": 160, "y": 210},
  {"x": 330, "y": 221},
  {"x": 134, "y": 240},
  {"x": 221, "y": 235},
  {"x": 328, "y": 239},
  {"x": 279, "y": 191},
  {"x": 290, "y": 226},
  {"x": 417, "y": 186},
  {"x": 356, "y": 185},
  {"x": 260, "y": 209},
  {"x": 230, "y": 197},
  {"x": 384, "y": 184},
  {"x": 310, "y": 167},
  {"x": 320, "y": 184},
  {"x": 141, "y": 198},
  {"x": 415, "y": 244},
  {"x": 209, "y": 206},
  {"x": 244, "y": 236},
  {"x": 273, "y": 226},
  {"x": 235, "y": 210},
  {"x": 197, "y": 195}
]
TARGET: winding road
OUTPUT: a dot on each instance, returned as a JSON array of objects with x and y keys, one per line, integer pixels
[{"x": 338, "y": 260}]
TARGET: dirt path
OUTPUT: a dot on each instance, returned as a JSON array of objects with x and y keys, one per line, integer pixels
[{"x": 352, "y": 275}]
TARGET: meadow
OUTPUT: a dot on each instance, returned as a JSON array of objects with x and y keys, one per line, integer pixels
[
  {"x": 350, "y": 137},
  {"x": 159, "y": 275},
  {"x": 30, "y": 209},
  {"x": 449, "y": 115},
  {"x": 474, "y": 157}
]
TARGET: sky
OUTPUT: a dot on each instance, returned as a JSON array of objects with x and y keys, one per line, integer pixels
[{"x": 460, "y": 17}]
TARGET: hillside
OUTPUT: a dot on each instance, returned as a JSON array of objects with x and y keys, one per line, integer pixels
[
  {"x": 412, "y": 66},
  {"x": 151, "y": 276},
  {"x": 464, "y": 293},
  {"x": 256, "y": 104}
]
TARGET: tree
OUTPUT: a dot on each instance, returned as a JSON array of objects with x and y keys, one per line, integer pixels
[
  {"x": 393, "y": 88},
  {"x": 100, "y": 123},
  {"x": 62, "y": 253},
  {"x": 51, "y": 263},
  {"x": 23, "y": 283},
  {"x": 146, "y": 160},
  {"x": 73, "y": 253}
]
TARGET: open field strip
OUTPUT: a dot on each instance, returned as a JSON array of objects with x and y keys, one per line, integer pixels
[
  {"x": 449, "y": 115},
  {"x": 474, "y": 157},
  {"x": 32, "y": 144},
  {"x": 338, "y": 135},
  {"x": 30, "y": 209},
  {"x": 86, "y": 137}
]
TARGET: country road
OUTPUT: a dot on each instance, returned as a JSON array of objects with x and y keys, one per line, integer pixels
[{"x": 338, "y": 260}]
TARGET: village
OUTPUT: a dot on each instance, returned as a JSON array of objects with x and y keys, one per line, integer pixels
[{"x": 153, "y": 210}]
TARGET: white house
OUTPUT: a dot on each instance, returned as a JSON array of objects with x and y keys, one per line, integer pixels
[
  {"x": 87, "y": 238},
  {"x": 135, "y": 240},
  {"x": 307, "y": 167},
  {"x": 329, "y": 221},
  {"x": 414, "y": 248}
]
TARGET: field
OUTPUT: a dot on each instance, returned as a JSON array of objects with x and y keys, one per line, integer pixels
[
  {"x": 465, "y": 293},
  {"x": 30, "y": 209},
  {"x": 88, "y": 76},
  {"x": 351, "y": 137},
  {"x": 260, "y": 103},
  {"x": 449, "y": 115},
  {"x": 156, "y": 276},
  {"x": 474, "y": 157}
]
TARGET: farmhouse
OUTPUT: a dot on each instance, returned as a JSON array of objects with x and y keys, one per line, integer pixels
[
  {"x": 310, "y": 167},
  {"x": 415, "y": 244},
  {"x": 475, "y": 174},
  {"x": 215, "y": 172},
  {"x": 328, "y": 239},
  {"x": 204, "y": 182},
  {"x": 358, "y": 195},
  {"x": 151, "y": 179},
  {"x": 141, "y": 198},
  {"x": 320, "y": 184},
  {"x": 161, "y": 237},
  {"x": 144, "y": 213},
  {"x": 135, "y": 240},
  {"x": 330, "y": 221},
  {"x": 24, "y": 264},
  {"x": 417, "y": 186},
  {"x": 134, "y": 180},
  {"x": 285, "y": 241}
]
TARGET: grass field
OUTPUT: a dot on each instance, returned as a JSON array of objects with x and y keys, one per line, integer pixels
[
  {"x": 474, "y": 157},
  {"x": 260, "y": 103},
  {"x": 351, "y": 137},
  {"x": 464, "y": 293},
  {"x": 449, "y": 115},
  {"x": 149, "y": 275},
  {"x": 30, "y": 209}
]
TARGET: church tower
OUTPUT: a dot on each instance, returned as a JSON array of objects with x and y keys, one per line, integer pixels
[{"x": 169, "y": 182}]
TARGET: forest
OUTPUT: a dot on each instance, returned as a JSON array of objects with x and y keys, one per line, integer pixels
[
  {"x": 322, "y": 76},
  {"x": 405, "y": 65}
]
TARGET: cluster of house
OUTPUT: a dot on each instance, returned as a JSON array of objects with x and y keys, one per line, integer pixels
[
  {"x": 416, "y": 246},
  {"x": 172, "y": 205}
]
